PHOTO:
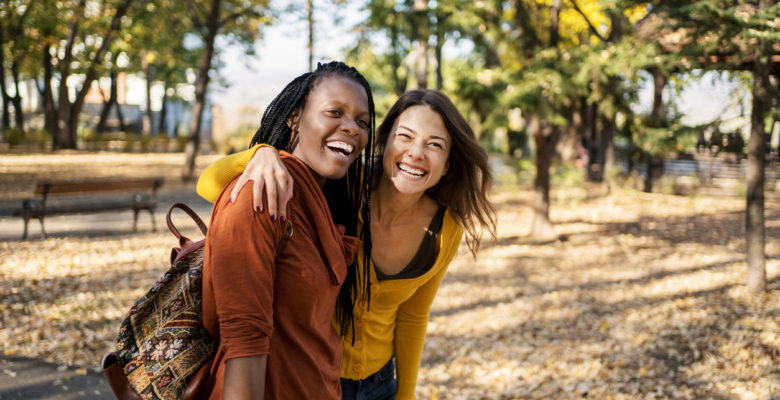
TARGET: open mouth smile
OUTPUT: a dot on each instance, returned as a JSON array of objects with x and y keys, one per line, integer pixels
[
  {"x": 340, "y": 147},
  {"x": 411, "y": 171}
]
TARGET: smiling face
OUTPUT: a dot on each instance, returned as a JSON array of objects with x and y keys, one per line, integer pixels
[
  {"x": 417, "y": 150},
  {"x": 332, "y": 128}
]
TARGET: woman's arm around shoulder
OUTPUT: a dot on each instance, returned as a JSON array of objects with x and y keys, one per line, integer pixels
[{"x": 260, "y": 164}]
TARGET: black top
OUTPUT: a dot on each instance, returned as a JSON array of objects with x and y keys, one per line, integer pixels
[{"x": 426, "y": 254}]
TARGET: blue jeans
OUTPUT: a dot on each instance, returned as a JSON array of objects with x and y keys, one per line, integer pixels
[{"x": 379, "y": 386}]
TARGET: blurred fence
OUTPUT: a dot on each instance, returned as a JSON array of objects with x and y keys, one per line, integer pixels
[{"x": 712, "y": 169}]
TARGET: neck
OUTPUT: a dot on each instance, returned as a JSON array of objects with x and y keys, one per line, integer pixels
[
  {"x": 320, "y": 180},
  {"x": 390, "y": 204},
  {"x": 317, "y": 177}
]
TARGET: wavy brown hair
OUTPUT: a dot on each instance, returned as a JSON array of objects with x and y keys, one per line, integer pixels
[{"x": 465, "y": 186}]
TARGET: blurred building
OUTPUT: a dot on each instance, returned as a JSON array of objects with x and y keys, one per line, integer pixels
[{"x": 131, "y": 99}]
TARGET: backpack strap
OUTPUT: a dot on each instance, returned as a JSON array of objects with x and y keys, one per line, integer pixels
[{"x": 183, "y": 240}]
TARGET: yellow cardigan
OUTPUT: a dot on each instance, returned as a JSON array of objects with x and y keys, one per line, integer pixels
[{"x": 396, "y": 321}]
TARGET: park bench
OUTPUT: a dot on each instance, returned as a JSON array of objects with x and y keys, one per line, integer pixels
[{"x": 73, "y": 197}]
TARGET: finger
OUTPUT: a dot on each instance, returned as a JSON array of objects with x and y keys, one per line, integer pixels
[
  {"x": 287, "y": 196},
  {"x": 281, "y": 193},
  {"x": 257, "y": 194},
  {"x": 270, "y": 192},
  {"x": 237, "y": 189}
]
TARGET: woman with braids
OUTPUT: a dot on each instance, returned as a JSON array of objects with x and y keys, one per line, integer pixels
[
  {"x": 270, "y": 285},
  {"x": 429, "y": 185}
]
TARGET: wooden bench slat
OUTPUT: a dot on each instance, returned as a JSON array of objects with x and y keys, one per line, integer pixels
[
  {"x": 144, "y": 198},
  {"x": 96, "y": 186},
  {"x": 87, "y": 208}
]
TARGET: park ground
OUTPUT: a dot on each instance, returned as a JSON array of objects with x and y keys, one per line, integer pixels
[{"x": 642, "y": 298}]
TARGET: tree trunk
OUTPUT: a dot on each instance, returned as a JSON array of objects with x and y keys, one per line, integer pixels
[
  {"x": 104, "y": 113},
  {"x": 399, "y": 85},
  {"x": 657, "y": 114},
  {"x": 650, "y": 172},
  {"x": 17, "y": 100},
  {"x": 555, "y": 22},
  {"x": 529, "y": 39},
  {"x": 147, "y": 120},
  {"x": 193, "y": 144},
  {"x": 3, "y": 92},
  {"x": 655, "y": 169},
  {"x": 61, "y": 139},
  {"x": 107, "y": 104},
  {"x": 115, "y": 95},
  {"x": 60, "y": 136},
  {"x": 608, "y": 149},
  {"x": 595, "y": 152},
  {"x": 91, "y": 74},
  {"x": 754, "y": 216},
  {"x": 421, "y": 33},
  {"x": 569, "y": 142},
  {"x": 601, "y": 159},
  {"x": 310, "y": 22},
  {"x": 659, "y": 82},
  {"x": 542, "y": 228},
  {"x": 50, "y": 113},
  {"x": 113, "y": 101},
  {"x": 630, "y": 146},
  {"x": 67, "y": 113},
  {"x": 161, "y": 127},
  {"x": 441, "y": 17}
]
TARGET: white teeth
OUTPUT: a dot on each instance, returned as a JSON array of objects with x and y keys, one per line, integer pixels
[
  {"x": 411, "y": 171},
  {"x": 346, "y": 147}
]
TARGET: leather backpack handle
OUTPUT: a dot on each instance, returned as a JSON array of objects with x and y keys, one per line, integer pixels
[{"x": 183, "y": 239}]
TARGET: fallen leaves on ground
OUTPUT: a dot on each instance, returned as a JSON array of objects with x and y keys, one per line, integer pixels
[{"x": 641, "y": 299}]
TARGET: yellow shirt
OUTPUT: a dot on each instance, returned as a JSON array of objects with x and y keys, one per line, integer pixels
[{"x": 396, "y": 321}]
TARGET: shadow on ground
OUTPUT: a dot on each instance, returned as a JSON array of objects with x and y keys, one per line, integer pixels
[{"x": 26, "y": 379}]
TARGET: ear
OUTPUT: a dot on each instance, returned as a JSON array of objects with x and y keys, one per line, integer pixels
[
  {"x": 295, "y": 116},
  {"x": 446, "y": 168}
]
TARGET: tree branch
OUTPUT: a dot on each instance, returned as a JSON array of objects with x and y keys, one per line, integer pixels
[
  {"x": 72, "y": 31},
  {"x": 590, "y": 25},
  {"x": 196, "y": 21},
  {"x": 235, "y": 15},
  {"x": 91, "y": 74}
]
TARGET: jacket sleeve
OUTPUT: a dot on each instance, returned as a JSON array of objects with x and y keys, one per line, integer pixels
[
  {"x": 412, "y": 319},
  {"x": 217, "y": 175},
  {"x": 241, "y": 250}
]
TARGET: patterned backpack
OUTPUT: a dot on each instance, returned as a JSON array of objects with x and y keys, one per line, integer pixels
[{"x": 163, "y": 349}]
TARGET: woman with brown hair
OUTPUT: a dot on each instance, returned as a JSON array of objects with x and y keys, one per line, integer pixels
[{"x": 430, "y": 186}]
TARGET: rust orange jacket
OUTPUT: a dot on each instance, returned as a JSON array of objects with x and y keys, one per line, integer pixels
[{"x": 264, "y": 294}]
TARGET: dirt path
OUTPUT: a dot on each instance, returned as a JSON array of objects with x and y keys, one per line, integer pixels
[{"x": 642, "y": 299}]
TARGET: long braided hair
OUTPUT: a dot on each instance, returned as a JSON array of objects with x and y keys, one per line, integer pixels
[{"x": 345, "y": 195}]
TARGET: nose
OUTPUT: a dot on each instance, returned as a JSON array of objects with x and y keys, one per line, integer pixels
[
  {"x": 416, "y": 150},
  {"x": 351, "y": 127}
]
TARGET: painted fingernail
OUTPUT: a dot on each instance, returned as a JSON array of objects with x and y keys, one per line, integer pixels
[
  {"x": 232, "y": 200},
  {"x": 257, "y": 208},
  {"x": 282, "y": 219},
  {"x": 273, "y": 218}
]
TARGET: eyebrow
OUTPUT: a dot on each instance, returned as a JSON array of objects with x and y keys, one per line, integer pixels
[
  {"x": 337, "y": 102},
  {"x": 432, "y": 136}
]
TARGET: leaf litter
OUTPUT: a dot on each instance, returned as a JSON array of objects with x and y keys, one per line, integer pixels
[{"x": 642, "y": 298}]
